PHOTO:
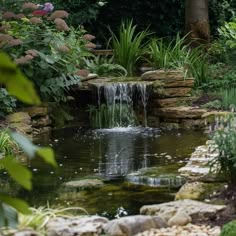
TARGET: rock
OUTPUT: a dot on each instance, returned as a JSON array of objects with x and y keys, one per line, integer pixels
[
  {"x": 156, "y": 177},
  {"x": 153, "y": 121},
  {"x": 21, "y": 127},
  {"x": 19, "y": 117},
  {"x": 180, "y": 218},
  {"x": 190, "y": 190},
  {"x": 172, "y": 92},
  {"x": 179, "y": 112},
  {"x": 187, "y": 230},
  {"x": 198, "y": 164},
  {"x": 36, "y": 111},
  {"x": 192, "y": 123},
  {"x": 41, "y": 122},
  {"x": 169, "y": 125},
  {"x": 26, "y": 232},
  {"x": 195, "y": 209},
  {"x": 91, "y": 76},
  {"x": 131, "y": 225},
  {"x": 80, "y": 226},
  {"x": 162, "y": 75},
  {"x": 170, "y": 102},
  {"x": 84, "y": 184}
]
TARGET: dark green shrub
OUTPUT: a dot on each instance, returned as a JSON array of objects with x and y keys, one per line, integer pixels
[{"x": 229, "y": 229}]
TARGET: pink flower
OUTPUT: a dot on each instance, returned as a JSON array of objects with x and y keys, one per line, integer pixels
[
  {"x": 29, "y": 5},
  {"x": 39, "y": 13},
  {"x": 35, "y": 20},
  {"x": 64, "y": 49},
  {"x": 59, "y": 14},
  {"x": 23, "y": 60},
  {"x": 90, "y": 45},
  {"x": 32, "y": 52},
  {"x": 5, "y": 37},
  {"x": 19, "y": 16},
  {"x": 8, "y": 15},
  {"x": 61, "y": 25},
  {"x": 88, "y": 37},
  {"x": 48, "y": 7},
  {"x": 15, "y": 42}
]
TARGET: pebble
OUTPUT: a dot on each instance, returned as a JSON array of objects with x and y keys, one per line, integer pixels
[{"x": 187, "y": 230}]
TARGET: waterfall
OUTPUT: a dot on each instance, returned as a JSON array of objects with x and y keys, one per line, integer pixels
[{"x": 118, "y": 107}]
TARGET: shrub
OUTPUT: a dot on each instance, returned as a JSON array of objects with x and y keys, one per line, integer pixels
[
  {"x": 44, "y": 46},
  {"x": 7, "y": 145},
  {"x": 7, "y": 102},
  {"x": 229, "y": 229}
]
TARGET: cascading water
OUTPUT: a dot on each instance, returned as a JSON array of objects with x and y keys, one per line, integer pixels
[{"x": 118, "y": 110}]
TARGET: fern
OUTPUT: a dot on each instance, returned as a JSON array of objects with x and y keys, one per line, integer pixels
[
  {"x": 104, "y": 66},
  {"x": 55, "y": 88}
]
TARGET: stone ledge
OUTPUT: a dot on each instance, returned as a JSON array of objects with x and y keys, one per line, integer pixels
[{"x": 179, "y": 112}]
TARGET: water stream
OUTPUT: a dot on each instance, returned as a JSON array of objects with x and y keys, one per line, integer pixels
[
  {"x": 119, "y": 99},
  {"x": 115, "y": 155}
]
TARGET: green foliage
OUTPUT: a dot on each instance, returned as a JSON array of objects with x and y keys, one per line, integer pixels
[
  {"x": 177, "y": 55},
  {"x": 128, "y": 46},
  {"x": 46, "y": 51},
  {"x": 54, "y": 89},
  {"x": 9, "y": 74},
  {"x": 83, "y": 11},
  {"x": 224, "y": 137},
  {"x": 7, "y": 102},
  {"x": 7, "y": 145},
  {"x": 229, "y": 229},
  {"x": 103, "y": 66},
  {"x": 23, "y": 89}
]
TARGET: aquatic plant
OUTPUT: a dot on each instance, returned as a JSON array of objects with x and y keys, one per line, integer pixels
[{"x": 129, "y": 46}]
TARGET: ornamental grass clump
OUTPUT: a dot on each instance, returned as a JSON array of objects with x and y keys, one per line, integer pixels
[{"x": 129, "y": 46}]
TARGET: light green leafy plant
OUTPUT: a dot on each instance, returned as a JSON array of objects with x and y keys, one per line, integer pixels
[
  {"x": 7, "y": 145},
  {"x": 104, "y": 66}
]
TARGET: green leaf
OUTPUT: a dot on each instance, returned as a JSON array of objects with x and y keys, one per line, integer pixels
[
  {"x": 18, "y": 172},
  {"x": 20, "y": 205},
  {"x": 16, "y": 83},
  {"x": 48, "y": 155},
  {"x": 32, "y": 150},
  {"x": 25, "y": 144},
  {"x": 8, "y": 216}
]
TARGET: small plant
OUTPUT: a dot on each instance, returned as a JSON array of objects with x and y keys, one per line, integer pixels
[
  {"x": 7, "y": 145},
  {"x": 7, "y": 102},
  {"x": 224, "y": 136},
  {"x": 229, "y": 229},
  {"x": 128, "y": 46},
  {"x": 103, "y": 66},
  {"x": 178, "y": 55}
]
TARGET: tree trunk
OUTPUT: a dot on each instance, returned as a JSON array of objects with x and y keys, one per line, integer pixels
[{"x": 197, "y": 20}]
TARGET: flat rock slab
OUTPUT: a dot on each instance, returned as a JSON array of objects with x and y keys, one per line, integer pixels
[
  {"x": 80, "y": 226},
  {"x": 187, "y": 230},
  {"x": 84, "y": 183},
  {"x": 195, "y": 209},
  {"x": 179, "y": 112},
  {"x": 162, "y": 74},
  {"x": 170, "y": 102},
  {"x": 131, "y": 225}
]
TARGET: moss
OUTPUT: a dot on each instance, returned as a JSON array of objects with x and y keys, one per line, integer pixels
[{"x": 229, "y": 229}]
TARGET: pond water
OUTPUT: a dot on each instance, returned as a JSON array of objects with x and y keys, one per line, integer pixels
[{"x": 112, "y": 154}]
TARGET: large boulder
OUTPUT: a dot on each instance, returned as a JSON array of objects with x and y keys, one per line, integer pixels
[
  {"x": 80, "y": 226},
  {"x": 195, "y": 209},
  {"x": 19, "y": 117},
  {"x": 131, "y": 225},
  {"x": 36, "y": 111}
]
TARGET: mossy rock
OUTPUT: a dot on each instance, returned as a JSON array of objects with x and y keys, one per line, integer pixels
[{"x": 229, "y": 229}]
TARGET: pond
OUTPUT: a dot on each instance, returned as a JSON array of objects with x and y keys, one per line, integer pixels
[{"x": 111, "y": 154}]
